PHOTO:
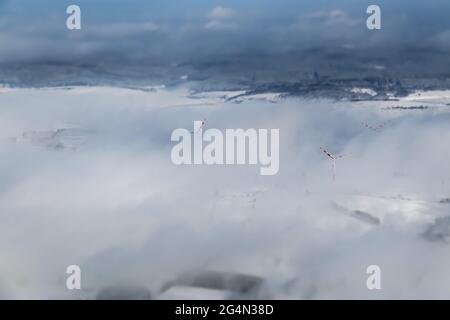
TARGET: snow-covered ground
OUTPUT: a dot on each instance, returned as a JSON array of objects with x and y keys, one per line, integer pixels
[{"x": 110, "y": 200}]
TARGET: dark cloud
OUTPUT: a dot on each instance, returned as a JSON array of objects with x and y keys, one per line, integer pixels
[{"x": 232, "y": 40}]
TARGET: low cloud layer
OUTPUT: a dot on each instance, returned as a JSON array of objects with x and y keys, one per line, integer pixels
[{"x": 119, "y": 208}]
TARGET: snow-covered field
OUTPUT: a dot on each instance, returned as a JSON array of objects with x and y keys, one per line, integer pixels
[{"x": 86, "y": 178}]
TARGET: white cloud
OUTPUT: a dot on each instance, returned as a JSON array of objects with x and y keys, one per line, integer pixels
[
  {"x": 332, "y": 17},
  {"x": 220, "y": 13},
  {"x": 124, "y": 29},
  {"x": 220, "y": 18},
  {"x": 219, "y": 25}
]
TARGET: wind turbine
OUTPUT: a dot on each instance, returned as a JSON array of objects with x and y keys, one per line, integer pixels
[
  {"x": 202, "y": 125},
  {"x": 333, "y": 159},
  {"x": 374, "y": 128}
]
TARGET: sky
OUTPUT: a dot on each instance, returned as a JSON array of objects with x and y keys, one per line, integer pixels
[{"x": 133, "y": 38}]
